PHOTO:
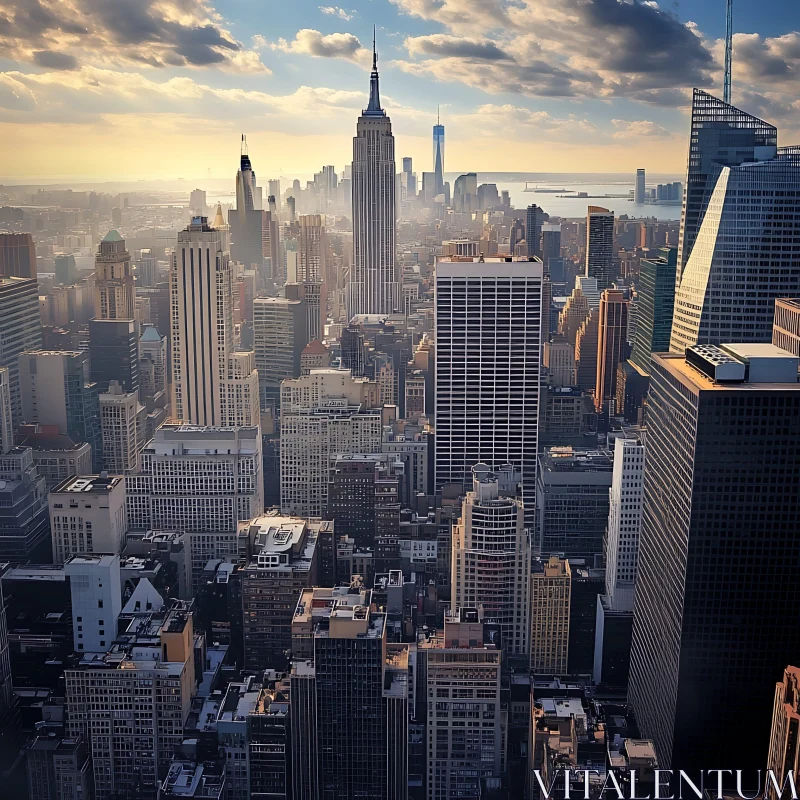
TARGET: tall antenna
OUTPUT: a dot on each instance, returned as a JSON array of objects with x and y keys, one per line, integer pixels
[
  {"x": 438, "y": 120},
  {"x": 726, "y": 90},
  {"x": 244, "y": 145}
]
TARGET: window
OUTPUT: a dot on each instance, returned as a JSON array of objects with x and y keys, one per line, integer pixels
[{"x": 99, "y": 603}]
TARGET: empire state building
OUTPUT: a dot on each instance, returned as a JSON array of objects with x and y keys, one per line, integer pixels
[{"x": 374, "y": 282}]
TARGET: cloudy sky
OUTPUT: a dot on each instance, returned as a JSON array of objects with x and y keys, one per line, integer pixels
[{"x": 162, "y": 88}]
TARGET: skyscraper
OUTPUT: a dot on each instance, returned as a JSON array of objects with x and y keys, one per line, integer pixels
[
  {"x": 612, "y": 345},
  {"x": 462, "y": 663},
  {"x": 121, "y": 419},
  {"x": 56, "y": 390},
  {"x": 551, "y": 589},
  {"x": 114, "y": 295},
  {"x": 783, "y": 754},
  {"x": 656, "y": 292},
  {"x": 20, "y": 330},
  {"x": 280, "y": 334},
  {"x": 488, "y": 342},
  {"x": 206, "y": 370},
  {"x": 114, "y": 353},
  {"x": 614, "y": 617},
  {"x": 639, "y": 190},
  {"x": 490, "y": 560},
  {"x": 717, "y": 606},
  {"x": 534, "y": 219},
  {"x": 741, "y": 225},
  {"x": 248, "y": 196},
  {"x": 17, "y": 255},
  {"x": 438, "y": 156},
  {"x": 600, "y": 245},
  {"x": 375, "y": 278},
  {"x": 720, "y": 135},
  {"x": 351, "y": 701}
]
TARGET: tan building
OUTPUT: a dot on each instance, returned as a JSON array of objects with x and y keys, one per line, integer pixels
[
  {"x": 210, "y": 382},
  {"x": 586, "y": 352},
  {"x": 559, "y": 358},
  {"x": 612, "y": 333},
  {"x": 114, "y": 294},
  {"x": 784, "y": 740},
  {"x": 786, "y": 326},
  {"x": 462, "y": 671},
  {"x": 131, "y": 702},
  {"x": 551, "y": 589},
  {"x": 575, "y": 311}
]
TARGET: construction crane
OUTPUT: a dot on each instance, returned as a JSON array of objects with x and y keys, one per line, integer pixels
[{"x": 726, "y": 89}]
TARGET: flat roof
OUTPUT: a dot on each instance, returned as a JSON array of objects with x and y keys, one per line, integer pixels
[
  {"x": 693, "y": 379},
  {"x": 93, "y": 484}
]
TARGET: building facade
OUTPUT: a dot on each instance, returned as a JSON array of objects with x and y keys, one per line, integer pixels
[
  {"x": 488, "y": 344},
  {"x": 551, "y": 592},
  {"x": 490, "y": 560},
  {"x": 716, "y": 606},
  {"x": 740, "y": 228},
  {"x": 88, "y": 515},
  {"x": 375, "y": 279}
]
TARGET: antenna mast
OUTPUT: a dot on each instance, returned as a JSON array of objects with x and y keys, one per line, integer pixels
[{"x": 726, "y": 90}]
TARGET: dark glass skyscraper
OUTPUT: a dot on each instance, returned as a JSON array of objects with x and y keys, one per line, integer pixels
[
  {"x": 717, "y": 608},
  {"x": 656, "y": 293},
  {"x": 721, "y": 135},
  {"x": 534, "y": 219}
]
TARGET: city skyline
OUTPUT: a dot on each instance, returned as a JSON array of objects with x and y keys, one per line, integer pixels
[{"x": 514, "y": 83}]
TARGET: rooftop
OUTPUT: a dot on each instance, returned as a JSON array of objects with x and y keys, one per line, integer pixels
[
  {"x": 188, "y": 779},
  {"x": 112, "y": 236},
  {"x": 737, "y": 367},
  {"x": 88, "y": 484}
]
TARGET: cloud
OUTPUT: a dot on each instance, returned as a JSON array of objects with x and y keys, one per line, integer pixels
[
  {"x": 92, "y": 93},
  {"x": 440, "y": 44},
  {"x": 560, "y": 48},
  {"x": 62, "y": 34},
  {"x": 335, "y": 11},
  {"x": 311, "y": 42},
  {"x": 52, "y": 60},
  {"x": 633, "y": 129}
]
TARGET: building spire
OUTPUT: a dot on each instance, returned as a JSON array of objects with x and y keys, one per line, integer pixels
[{"x": 374, "y": 106}]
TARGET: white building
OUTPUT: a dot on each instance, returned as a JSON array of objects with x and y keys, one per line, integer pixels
[
  {"x": 491, "y": 558},
  {"x": 96, "y": 593},
  {"x": 323, "y": 414},
  {"x": 122, "y": 434},
  {"x": 624, "y": 522},
  {"x": 375, "y": 278},
  {"x": 488, "y": 344},
  {"x": 87, "y": 515},
  {"x": 201, "y": 480},
  {"x": 203, "y": 359}
]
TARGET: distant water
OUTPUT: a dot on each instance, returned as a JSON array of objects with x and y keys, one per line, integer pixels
[{"x": 555, "y": 205}]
